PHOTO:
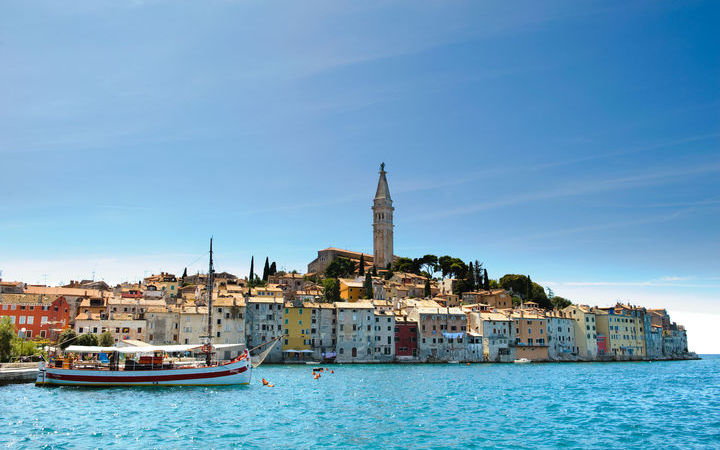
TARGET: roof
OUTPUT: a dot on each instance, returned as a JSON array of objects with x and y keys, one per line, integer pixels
[
  {"x": 33, "y": 299},
  {"x": 494, "y": 316},
  {"x": 354, "y": 305},
  {"x": 454, "y": 311},
  {"x": 77, "y": 292},
  {"x": 266, "y": 300},
  {"x": 383, "y": 191},
  {"x": 351, "y": 283}
]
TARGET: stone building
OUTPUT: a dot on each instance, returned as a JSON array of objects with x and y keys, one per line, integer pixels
[
  {"x": 384, "y": 339},
  {"x": 496, "y": 334},
  {"x": 382, "y": 223},
  {"x": 355, "y": 336},
  {"x": 585, "y": 330},
  {"x": 442, "y": 333},
  {"x": 263, "y": 322},
  {"x": 561, "y": 336}
]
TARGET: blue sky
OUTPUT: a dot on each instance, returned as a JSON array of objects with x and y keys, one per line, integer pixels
[{"x": 576, "y": 142}]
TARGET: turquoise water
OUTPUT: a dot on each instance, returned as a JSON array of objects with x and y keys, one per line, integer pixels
[{"x": 620, "y": 405}]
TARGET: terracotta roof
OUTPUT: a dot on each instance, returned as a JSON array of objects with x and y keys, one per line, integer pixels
[{"x": 27, "y": 298}]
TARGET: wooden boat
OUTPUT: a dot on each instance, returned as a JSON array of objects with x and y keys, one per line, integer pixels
[
  {"x": 145, "y": 371},
  {"x": 522, "y": 361},
  {"x": 151, "y": 368}
]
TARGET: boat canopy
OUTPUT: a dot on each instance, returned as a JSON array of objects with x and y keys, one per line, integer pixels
[{"x": 146, "y": 348}]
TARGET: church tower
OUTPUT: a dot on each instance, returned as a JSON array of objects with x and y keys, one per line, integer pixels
[{"x": 382, "y": 223}]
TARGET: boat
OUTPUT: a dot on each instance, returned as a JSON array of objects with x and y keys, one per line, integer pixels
[
  {"x": 522, "y": 361},
  {"x": 147, "y": 365},
  {"x": 150, "y": 368}
]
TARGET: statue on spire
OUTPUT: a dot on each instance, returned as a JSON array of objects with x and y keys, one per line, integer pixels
[{"x": 382, "y": 167}]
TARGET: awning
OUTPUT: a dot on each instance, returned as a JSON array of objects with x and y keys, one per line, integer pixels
[
  {"x": 146, "y": 349},
  {"x": 297, "y": 351}
]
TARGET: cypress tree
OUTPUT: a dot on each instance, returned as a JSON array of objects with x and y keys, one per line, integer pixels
[
  {"x": 486, "y": 281},
  {"x": 361, "y": 270},
  {"x": 427, "y": 288},
  {"x": 528, "y": 294},
  {"x": 273, "y": 268},
  {"x": 266, "y": 269},
  {"x": 374, "y": 271},
  {"x": 470, "y": 278},
  {"x": 251, "y": 278},
  {"x": 184, "y": 273},
  {"x": 367, "y": 286}
]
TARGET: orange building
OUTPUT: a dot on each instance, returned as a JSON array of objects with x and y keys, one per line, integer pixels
[{"x": 40, "y": 316}]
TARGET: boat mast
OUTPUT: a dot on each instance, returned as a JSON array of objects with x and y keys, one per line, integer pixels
[{"x": 211, "y": 280}]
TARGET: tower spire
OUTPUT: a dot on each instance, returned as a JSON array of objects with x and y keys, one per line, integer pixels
[{"x": 382, "y": 223}]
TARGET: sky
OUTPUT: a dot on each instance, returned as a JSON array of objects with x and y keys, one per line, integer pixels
[{"x": 578, "y": 142}]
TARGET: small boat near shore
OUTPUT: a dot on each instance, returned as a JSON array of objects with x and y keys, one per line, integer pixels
[{"x": 522, "y": 361}]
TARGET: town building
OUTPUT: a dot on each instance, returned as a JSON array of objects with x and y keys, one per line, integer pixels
[
  {"x": 384, "y": 334},
  {"x": 297, "y": 325},
  {"x": 264, "y": 318},
  {"x": 351, "y": 290},
  {"x": 355, "y": 335},
  {"x": 531, "y": 334},
  {"x": 163, "y": 282},
  {"x": 585, "y": 330},
  {"x": 442, "y": 331},
  {"x": 495, "y": 333},
  {"x": 561, "y": 336},
  {"x": 122, "y": 327},
  {"x": 326, "y": 256},
  {"x": 36, "y": 315},
  {"x": 406, "y": 338}
]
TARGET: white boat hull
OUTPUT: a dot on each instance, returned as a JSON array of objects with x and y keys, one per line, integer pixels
[{"x": 232, "y": 373}]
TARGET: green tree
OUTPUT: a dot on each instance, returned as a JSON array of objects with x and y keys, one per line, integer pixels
[
  {"x": 331, "y": 289},
  {"x": 266, "y": 269},
  {"x": 106, "y": 339},
  {"x": 389, "y": 271},
  {"x": 560, "y": 302},
  {"x": 486, "y": 281},
  {"x": 251, "y": 277},
  {"x": 88, "y": 339},
  {"x": 67, "y": 338},
  {"x": 427, "y": 288},
  {"x": 368, "y": 286},
  {"x": 273, "y": 268},
  {"x": 523, "y": 286},
  {"x": 493, "y": 284},
  {"x": 374, "y": 271},
  {"x": 361, "y": 269},
  {"x": 7, "y": 333},
  {"x": 21, "y": 347},
  {"x": 184, "y": 275},
  {"x": 406, "y": 265},
  {"x": 340, "y": 268},
  {"x": 429, "y": 263}
]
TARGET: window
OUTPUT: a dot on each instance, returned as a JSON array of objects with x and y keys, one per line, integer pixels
[
  {"x": 30, "y": 320},
  {"x": 21, "y": 320}
]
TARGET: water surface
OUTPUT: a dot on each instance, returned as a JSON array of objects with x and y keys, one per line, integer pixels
[{"x": 620, "y": 405}]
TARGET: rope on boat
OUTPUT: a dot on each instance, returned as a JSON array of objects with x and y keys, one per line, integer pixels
[{"x": 258, "y": 359}]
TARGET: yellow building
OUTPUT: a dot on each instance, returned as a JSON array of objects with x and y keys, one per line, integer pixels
[
  {"x": 350, "y": 290},
  {"x": 296, "y": 331},
  {"x": 164, "y": 282},
  {"x": 624, "y": 332},
  {"x": 269, "y": 291}
]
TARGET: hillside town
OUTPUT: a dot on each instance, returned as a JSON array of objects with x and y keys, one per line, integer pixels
[{"x": 352, "y": 307}]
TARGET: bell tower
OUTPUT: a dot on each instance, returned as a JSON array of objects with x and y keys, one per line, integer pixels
[{"x": 382, "y": 223}]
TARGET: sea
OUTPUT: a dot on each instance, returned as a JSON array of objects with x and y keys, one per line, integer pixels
[{"x": 672, "y": 404}]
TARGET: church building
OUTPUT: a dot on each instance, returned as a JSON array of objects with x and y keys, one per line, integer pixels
[{"x": 382, "y": 235}]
